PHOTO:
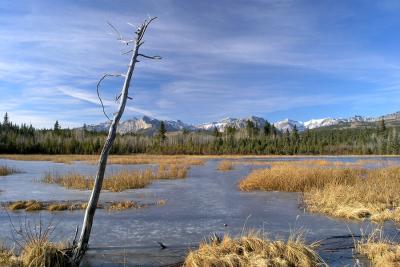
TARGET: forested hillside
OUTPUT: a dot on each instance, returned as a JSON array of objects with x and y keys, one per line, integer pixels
[{"x": 378, "y": 139}]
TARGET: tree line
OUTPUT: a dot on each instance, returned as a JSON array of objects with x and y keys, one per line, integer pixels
[{"x": 379, "y": 139}]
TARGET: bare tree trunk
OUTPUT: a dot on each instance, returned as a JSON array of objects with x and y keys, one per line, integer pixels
[{"x": 82, "y": 245}]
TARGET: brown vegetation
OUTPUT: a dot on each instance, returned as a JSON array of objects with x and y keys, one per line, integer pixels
[
  {"x": 123, "y": 205},
  {"x": 380, "y": 250},
  {"x": 34, "y": 205},
  {"x": 35, "y": 248},
  {"x": 122, "y": 180},
  {"x": 5, "y": 170},
  {"x": 253, "y": 250},
  {"x": 339, "y": 191},
  {"x": 225, "y": 165},
  {"x": 293, "y": 178},
  {"x": 373, "y": 196},
  {"x": 113, "y": 159}
]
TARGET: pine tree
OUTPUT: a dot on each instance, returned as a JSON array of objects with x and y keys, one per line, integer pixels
[
  {"x": 6, "y": 120},
  {"x": 57, "y": 127},
  {"x": 382, "y": 127},
  {"x": 250, "y": 128},
  {"x": 267, "y": 128},
  {"x": 216, "y": 133},
  {"x": 162, "y": 131}
]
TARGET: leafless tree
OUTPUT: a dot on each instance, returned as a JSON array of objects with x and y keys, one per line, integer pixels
[{"x": 137, "y": 42}]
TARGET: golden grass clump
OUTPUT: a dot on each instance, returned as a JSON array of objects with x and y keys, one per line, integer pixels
[
  {"x": 5, "y": 170},
  {"x": 298, "y": 179},
  {"x": 39, "y": 253},
  {"x": 122, "y": 180},
  {"x": 171, "y": 171},
  {"x": 70, "y": 180},
  {"x": 35, "y": 248},
  {"x": 28, "y": 205},
  {"x": 380, "y": 250},
  {"x": 374, "y": 196},
  {"x": 34, "y": 205},
  {"x": 125, "y": 179},
  {"x": 253, "y": 250},
  {"x": 161, "y": 202},
  {"x": 123, "y": 205},
  {"x": 8, "y": 258},
  {"x": 381, "y": 253},
  {"x": 113, "y": 159},
  {"x": 225, "y": 165}
]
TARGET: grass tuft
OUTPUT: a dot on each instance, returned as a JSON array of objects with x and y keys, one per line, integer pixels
[
  {"x": 380, "y": 250},
  {"x": 225, "y": 165},
  {"x": 337, "y": 190},
  {"x": 129, "y": 204},
  {"x": 373, "y": 196},
  {"x": 120, "y": 181},
  {"x": 253, "y": 250},
  {"x": 293, "y": 178},
  {"x": 5, "y": 170}
]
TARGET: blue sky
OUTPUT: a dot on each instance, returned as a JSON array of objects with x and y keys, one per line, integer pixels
[{"x": 274, "y": 59}]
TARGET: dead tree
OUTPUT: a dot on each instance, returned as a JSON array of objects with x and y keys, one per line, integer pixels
[{"x": 122, "y": 98}]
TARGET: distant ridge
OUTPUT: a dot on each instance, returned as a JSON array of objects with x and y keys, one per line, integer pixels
[{"x": 148, "y": 125}]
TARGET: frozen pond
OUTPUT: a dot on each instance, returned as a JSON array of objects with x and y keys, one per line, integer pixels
[{"x": 196, "y": 207}]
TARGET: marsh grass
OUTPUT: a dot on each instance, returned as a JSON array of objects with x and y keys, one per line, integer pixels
[
  {"x": 335, "y": 189},
  {"x": 5, "y": 170},
  {"x": 34, "y": 205},
  {"x": 123, "y": 205},
  {"x": 374, "y": 196},
  {"x": 119, "y": 181},
  {"x": 35, "y": 247},
  {"x": 294, "y": 178},
  {"x": 225, "y": 165},
  {"x": 8, "y": 257},
  {"x": 254, "y": 250},
  {"x": 114, "y": 159},
  {"x": 380, "y": 250}
]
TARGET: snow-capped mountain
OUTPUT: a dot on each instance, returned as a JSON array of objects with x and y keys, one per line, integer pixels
[
  {"x": 288, "y": 125},
  {"x": 144, "y": 124},
  {"x": 237, "y": 123},
  {"x": 148, "y": 125}
]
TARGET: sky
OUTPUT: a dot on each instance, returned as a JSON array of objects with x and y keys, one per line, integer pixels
[{"x": 274, "y": 59}]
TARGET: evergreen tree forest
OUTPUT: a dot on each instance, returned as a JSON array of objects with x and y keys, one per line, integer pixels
[{"x": 378, "y": 139}]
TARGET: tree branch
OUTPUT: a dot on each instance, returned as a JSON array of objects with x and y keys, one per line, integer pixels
[
  {"x": 98, "y": 91},
  {"x": 150, "y": 57}
]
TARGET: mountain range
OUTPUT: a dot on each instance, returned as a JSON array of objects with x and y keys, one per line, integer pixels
[{"x": 148, "y": 125}]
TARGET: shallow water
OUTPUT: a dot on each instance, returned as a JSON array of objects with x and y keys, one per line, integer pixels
[{"x": 196, "y": 207}]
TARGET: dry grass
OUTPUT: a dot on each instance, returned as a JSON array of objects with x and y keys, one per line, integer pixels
[
  {"x": 225, "y": 165},
  {"x": 29, "y": 205},
  {"x": 113, "y": 159},
  {"x": 39, "y": 253},
  {"x": 123, "y": 205},
  {"x": 8, "y": 258},
  {"x": 123, "y": 180},
  {"x": 5, "y": 170},
  {"x": 291, "y": 163},
  {"x": 381, "y": 251},
  {"x": 34, "y": 205},
  {"x": 161, "y": 202},
  {"x": 374, "y": 196},
  {"x": 36, "y": 249},
  {"x": 293, "y": 178},
  {"x": 253, "y": 250},
  {"x": 339, "y": 191}
]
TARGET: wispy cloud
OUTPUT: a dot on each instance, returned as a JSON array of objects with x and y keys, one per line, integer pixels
[{"x": 270, "y": 58}]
